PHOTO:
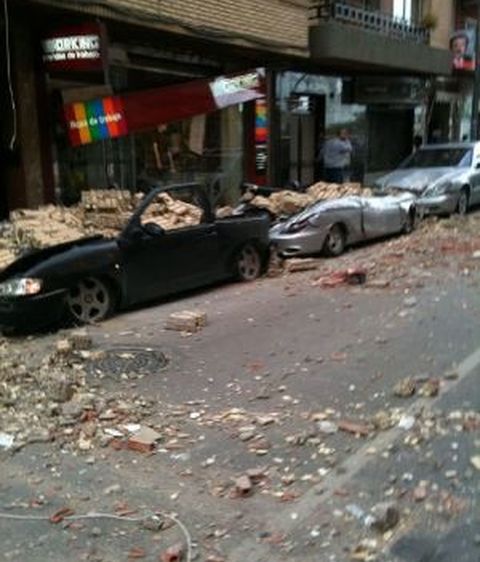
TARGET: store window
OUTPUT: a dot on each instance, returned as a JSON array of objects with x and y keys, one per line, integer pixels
[{"x": 206, "y": 148}]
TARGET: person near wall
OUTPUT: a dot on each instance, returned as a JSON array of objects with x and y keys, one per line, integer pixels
[{"x": 337, "y": 157}]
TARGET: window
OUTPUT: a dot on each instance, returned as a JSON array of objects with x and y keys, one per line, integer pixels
[
  {"x": 410, "y": 10},
  {"x": 440, "y": 158}
]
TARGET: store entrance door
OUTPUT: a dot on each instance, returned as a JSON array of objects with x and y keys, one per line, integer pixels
[
  {"x": 439, "y": 127},
  {"x": 390, "y": 135},
  {"x": 307, "y": 130}
]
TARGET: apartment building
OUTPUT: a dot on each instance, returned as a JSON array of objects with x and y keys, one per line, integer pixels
[{"x": 126, "y": 93}]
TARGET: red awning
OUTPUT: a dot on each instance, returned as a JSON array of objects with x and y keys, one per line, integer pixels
[{"x": 120, "y": 115}]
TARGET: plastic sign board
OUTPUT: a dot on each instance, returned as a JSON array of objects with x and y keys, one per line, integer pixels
[
  {"x": 142, "y": 111},
  {"x": 235, "y": 89},
  {"x": 95, "y": 120},
  {"x": 75, "y": 49}
]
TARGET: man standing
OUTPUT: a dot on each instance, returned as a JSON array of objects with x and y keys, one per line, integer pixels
[{"x": 337, "y": 156}]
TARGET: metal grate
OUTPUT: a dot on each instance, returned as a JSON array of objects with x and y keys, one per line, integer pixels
[{"x": 371, "y": 20}]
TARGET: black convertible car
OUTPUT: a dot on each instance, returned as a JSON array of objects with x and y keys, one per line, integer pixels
[{"x": 88, "y": 279}]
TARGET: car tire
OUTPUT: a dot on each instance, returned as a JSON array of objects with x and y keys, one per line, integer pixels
[
  {"x": 463, "y": 201},
  {"x": 90, "y": 300},
  {"x": 248, "y": 263},
  {"x": 335, "y": 241}
]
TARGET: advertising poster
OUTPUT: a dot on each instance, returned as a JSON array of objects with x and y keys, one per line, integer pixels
[{"x": 462, "y": 46}]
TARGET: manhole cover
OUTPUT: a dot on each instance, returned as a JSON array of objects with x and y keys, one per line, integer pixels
[{"x": 130, "y": 360}]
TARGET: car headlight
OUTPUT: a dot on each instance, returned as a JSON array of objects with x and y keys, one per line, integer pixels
[
  {"x": 439, "y": 189},
  {"x": 299, "y": 225},
  {"x": 20, "y": 287}
]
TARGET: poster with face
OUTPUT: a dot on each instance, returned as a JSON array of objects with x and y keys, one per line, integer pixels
[{"x": 462, "y": 46}]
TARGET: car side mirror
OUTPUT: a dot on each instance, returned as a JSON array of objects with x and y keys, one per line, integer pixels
[
  {"x": 153, "y": 229},
  {"x": 477, "y": 165}
]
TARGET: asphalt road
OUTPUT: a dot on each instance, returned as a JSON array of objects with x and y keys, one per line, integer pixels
[{"x": 276, "y": 356}]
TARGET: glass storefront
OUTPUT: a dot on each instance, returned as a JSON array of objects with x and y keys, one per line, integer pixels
[
  {"x": 312, "y": 109},
  {"x": 205, "y": 148}
]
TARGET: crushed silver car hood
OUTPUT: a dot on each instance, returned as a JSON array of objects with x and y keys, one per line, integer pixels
[
  {"x": 328, "y": 207},
  {"x": 414, "y": 179}
]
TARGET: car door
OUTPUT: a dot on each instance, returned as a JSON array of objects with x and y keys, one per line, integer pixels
[
  {"x": 380, "y": 217},
  {"x": 167, "y": 262}
]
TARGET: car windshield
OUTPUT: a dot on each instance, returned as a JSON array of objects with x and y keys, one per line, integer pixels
[{"x": 439, "y": 158}]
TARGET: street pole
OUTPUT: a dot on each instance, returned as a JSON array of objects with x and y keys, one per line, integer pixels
[{"x": 476, "y": 81}]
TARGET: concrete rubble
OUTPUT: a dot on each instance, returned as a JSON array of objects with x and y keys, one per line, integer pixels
[
  {"x": 286, "y": 202},
  {"x": 102, "y": 212},
  {"x": 186, "y": 321}
]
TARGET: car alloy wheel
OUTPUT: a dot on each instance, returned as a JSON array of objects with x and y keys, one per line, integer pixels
[
  {"x": 335, "y": 241},
  {"x": 462, "y": 205},
  {"x": 89, "y": 301},
  {"x": 249, "y": 263}
]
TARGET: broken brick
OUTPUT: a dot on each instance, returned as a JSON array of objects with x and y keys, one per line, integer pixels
[
  {"x": 60, "y": 515},
  {"x": 352, "y": 427},
  {"x": 173, "y": 554},
  {"x": 136, "y": 552},
  {"x": 243, "y": 486}
]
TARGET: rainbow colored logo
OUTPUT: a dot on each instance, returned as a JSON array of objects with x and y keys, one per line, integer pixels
[
  {"x": 261, "y": 126},
  {"x": 95, "y": 120}
]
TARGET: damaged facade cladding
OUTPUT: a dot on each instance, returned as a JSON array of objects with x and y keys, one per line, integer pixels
[{"x": 143, "y": 47}]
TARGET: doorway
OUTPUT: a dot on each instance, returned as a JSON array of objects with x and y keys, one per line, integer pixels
[{"x": 390, "y": 135}]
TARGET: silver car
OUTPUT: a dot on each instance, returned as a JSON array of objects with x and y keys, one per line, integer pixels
[
  {"x": 444, "y": 177},
  {"x": 330, "y": 226}
]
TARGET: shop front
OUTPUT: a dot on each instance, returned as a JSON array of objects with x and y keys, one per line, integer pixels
[
  {"x": 314, "y": 108},
  {"x": 192, "y": 131},
  {"x": 112, "y": 106}
]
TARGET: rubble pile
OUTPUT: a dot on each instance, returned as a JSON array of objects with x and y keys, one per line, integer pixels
[
  {"x": 99, "y": 212},
  {"x": 283, "y": 202},
  {"x": 46, "y": 226},
  {"x": 52, "y": 398},
  {"x": 287, "y": 202},
  {"x": 105, "y": 211},
  {"x": 170, "y": 213},
  {"x": 7, "y": 246},
  {"x": 322, "y": 190}
]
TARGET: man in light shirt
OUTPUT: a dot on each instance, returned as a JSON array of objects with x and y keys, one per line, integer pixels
[{"x": 337, "y": 156}]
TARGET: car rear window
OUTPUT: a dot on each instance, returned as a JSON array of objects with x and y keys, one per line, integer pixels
[{"x": 439, "y": 158}]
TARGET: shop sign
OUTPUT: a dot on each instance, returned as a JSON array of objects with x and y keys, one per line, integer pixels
[
  {"x": 138, "y": 111},
  {"x": 261, "y": 137},
  {"x": 238, "y": 88},
  {"x": 372, "y": 90},
  {"x": 75, "y": 49},
  {"x": 462, "y": 46},
  {"x": 95, "y": 120}
]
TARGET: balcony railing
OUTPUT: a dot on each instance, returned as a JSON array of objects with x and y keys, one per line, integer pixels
[{"x": 378, "y": 22}]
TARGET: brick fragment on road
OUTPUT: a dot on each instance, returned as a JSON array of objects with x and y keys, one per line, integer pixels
[
  {"x": 385, "y": 516},
  {"x": 430, "y": 388},
  {"x": 60, "y": 515},
  {"x": 405, "y": 388},
  {"x": 297, "y": 265},
  {"x": 475, "y": 461},
  {"x": 136, "y": 553},
  {"x": 353, "y": 427},
  {"x": 420, "y": 492},
  {"x": 80, "y": 340},
  {"x": 243, "y": 486},
  {"x": 186, "y": 321},
  {"x": 174, "y": 553},
  {"x": 143, "y": 440}
]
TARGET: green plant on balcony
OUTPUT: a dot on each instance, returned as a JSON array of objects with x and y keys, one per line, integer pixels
[{"x": 429, "y": 20}]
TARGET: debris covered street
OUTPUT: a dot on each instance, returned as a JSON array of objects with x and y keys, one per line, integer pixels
[{"x": 329, "y": 411}]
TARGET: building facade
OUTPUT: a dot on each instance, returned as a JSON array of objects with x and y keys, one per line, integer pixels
[{"x": 129, "y": 93}]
